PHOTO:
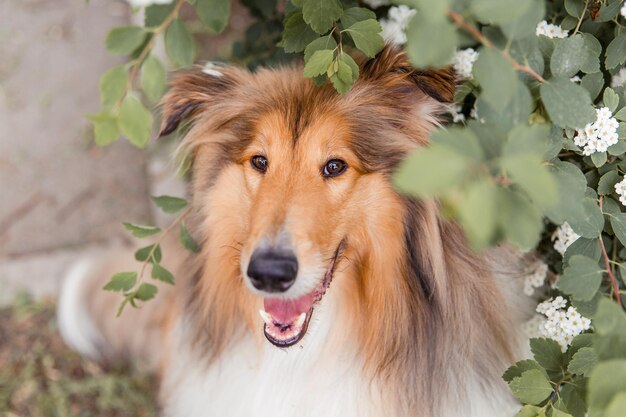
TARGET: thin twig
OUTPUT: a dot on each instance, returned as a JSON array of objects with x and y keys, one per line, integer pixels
[
  {"x": 580, "y": 20},
  {"x": 472, "y": 30},
  {"x": 609, "y": 269}
]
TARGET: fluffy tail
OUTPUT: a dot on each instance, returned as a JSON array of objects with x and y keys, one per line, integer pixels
[{"x": 87, "y": 316}]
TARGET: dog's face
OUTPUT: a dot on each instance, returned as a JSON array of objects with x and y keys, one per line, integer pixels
[{"x": 292, "y": 176}]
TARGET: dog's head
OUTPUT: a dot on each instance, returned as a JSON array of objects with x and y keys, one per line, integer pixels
[{"x": 290, "y": 179}]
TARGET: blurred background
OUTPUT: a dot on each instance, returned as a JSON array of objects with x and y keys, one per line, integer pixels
[{"x": 63, "y": 197}]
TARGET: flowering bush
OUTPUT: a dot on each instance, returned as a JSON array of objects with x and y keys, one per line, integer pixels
[{"x": 535, "y": 152}]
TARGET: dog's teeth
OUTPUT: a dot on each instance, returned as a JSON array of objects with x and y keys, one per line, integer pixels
[
  {"x": 299, "y": 321},
  {"x": 267, "y": 318}
]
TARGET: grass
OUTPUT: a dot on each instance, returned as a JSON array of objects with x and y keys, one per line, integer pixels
[{"x": 41, "y": 377}]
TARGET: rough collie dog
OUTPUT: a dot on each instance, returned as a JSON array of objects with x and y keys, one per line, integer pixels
[{"x": 319, "y": 290}]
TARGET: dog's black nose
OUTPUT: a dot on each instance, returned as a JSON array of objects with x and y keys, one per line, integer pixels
[{"x": 272, "y": 270}]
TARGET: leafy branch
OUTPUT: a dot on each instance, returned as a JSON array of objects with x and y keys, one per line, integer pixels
[{"x": 476, "y": 34}]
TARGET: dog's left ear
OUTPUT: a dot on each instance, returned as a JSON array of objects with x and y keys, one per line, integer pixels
[
  {"x": 193, "y": 92},
  {"x": 392, "y": 68}
]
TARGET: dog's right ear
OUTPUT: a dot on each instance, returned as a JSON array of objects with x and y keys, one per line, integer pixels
[{"x": 192, "y": 92}]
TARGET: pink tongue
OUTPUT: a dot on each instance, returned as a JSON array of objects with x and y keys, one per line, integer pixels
[{"x": 286, "y": 311}]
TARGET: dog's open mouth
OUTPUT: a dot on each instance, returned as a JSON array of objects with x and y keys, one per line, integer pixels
[{"x": 287, "y": 320}]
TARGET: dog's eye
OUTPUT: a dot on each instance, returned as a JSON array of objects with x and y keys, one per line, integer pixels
[
  {"x": 259, "y": 163},
  {"x": 334, "y": 168}
]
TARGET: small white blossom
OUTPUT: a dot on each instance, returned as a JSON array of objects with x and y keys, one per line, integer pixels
[
  {"x": 599, "y": 135},
  {"x": 456, "y": 112},
  {"x": 575, "y": 79},
  {"x": 622, "y": 11},
  {"x": 394, "y": 26},
  {"x": 563, "y": 237},
  {"x": 561, "y": 325},
  {"x": 620, "y": 189},
  {"x": 536, "y": 279},
  {"x": 146, "y": 3},
  {"x": 376, "y": 3},
  {"x": 619, "y": 79},
  {"x": 549, "y": 30},
  {"x": 464, "y": 62}
]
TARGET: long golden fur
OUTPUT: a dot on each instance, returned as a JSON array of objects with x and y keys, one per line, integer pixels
[{"x": 417, "y": 306}]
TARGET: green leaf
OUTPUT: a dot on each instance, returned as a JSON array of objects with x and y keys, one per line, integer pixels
[
  {"x": 322, "y": 43},
  {"x": 169, "y": 204},
  {"x": 135, "y": 122},
  {"x": 610, "y": 98},
  {"x": 617, "y": 406},
  {"x": 606, "y": 381},
  {"x": 342, "y": 79},
  {"x": 321, "y": 14},
  {"x": 571, "y": 185},
  {"x": 146, "y": 292},
  {"x": 615, "y": 52},
  {"x": 432, "y": 171},
  {"x": 593, "y": 83},
  {"x": 356, "y": 14},
  {"x": 621, "y": 115},
  {"x": 515, "y": 112},
  {"x": 568, "y": 104},
  {"x": 522, "y": 159},
  {"x": 179, "y": 44},
  {"x": 319, "y": 63},
  {"x": 162, "y": 274},
  {"x": 153, "y": 78},
  {"x": 366, "y": 36},
  {"x": 297, "y": 34},
  {"x": 496, "y": 76},
  {"x": 141, "y": 231},
  {"x": 344, "y": 57},
  {"x": 591, "y": 54},
  {"x": 122, "y": 281},
  {"x": 187, "y": 241},
  {"x": 477, "y": 213},
  {"x": 124, "y": 40},
  {"x": 113, "y": 85},
  {"x": 156, "y": 14},
  {"x": 531, "y": 388},
  {"x": 607, "y": 182},
  {"x": 520, "y": 220},
  {"x": 105, "y": 128},
  {"x": 599, "y": 159},
  {"x": 590, "y": 248},
  {"x": 214, "y": 14},
  {"x": 581, "y": 278},
  {"x": 568, "y": 56},
  {"x": 526, "y": 24},
  {"x": 547, "y": 353},
  {"x": 150, "y": 253},
  {"x": 520, "y": 367},
  {"x": 618, "y": 223},
  {"x": 528, "y": 411},
  {"x": 421, "y": 49},
  {"x": 558, "y": 413},
  {"x": 609, "y": 319},
  {"x": 583, "y": 361},
  {"x": 500, "y": 11}
]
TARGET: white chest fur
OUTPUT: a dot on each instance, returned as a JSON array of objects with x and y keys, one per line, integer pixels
[{"x": 249, "y": 380}]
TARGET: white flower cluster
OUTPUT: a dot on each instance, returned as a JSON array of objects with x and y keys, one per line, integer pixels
[
  {"x": 562, "y": 325},
  {"x": 623, "y": 10},
  {"x": 146, "y": 3},
  {"x": 456, "y": 111},
  {"x": 563, "y": 237},
  {"x": 464, "y": 62},
  {"x": 394, "y": 26},
  {"x": 620, "y": 189},
  {"x": 536, "y": 279},
  {"x": 619, "y": 79},
  {"x": 376, "y": 3},
  {"x": 599, "y": 135},
  {"x": 551, "y": 31}
]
